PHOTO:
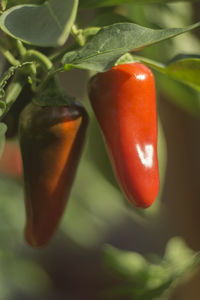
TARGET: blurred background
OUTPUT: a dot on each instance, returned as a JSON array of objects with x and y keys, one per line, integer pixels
[{"x": 97, "y": 213}]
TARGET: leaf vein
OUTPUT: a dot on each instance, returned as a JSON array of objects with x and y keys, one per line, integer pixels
[{"x": 54, "y": 16}]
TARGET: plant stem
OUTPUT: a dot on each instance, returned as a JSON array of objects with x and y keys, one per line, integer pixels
[
  {"x": 90, "y": 31},
  {"x": 46, "y": 80},
  {"x": 78, "y": 34},
  {"x": 13, "y": 91},
  {"x": 43, "y": 60},
  {"x": 7, "y": 54},
  {"x": 21, "y": 49},
  {"x": 151, "y": 63},
  {"x": 86, "y": 32}
]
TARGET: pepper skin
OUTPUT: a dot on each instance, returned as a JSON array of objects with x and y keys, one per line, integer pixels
[
  {"x": 51, "y": 141},
  {"x": 124, "y": 102}
]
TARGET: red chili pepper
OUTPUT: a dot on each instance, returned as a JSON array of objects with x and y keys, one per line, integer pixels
[
  {"x": 51, "y": 140},
  {"x": 124, "y": 102}
]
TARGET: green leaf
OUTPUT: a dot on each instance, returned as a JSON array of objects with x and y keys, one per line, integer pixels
[
  {"x": 20, "y": 2},
  {"x": 180, "y": 94},
  {"x": 46, "y": 25},
  {"x": 154, "y": 278},
  {"x": 111, "y": 42},
  {"x": 184, "y": 68},
  {"x": 3, "y": 129},
  {"x": 7, "y": 75}
]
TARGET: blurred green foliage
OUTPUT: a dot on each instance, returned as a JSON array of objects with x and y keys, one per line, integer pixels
[
  {"x": 18, "y": 274},
  {"x": 97, "y": 210},
  {"x": 152, "y": 278}
]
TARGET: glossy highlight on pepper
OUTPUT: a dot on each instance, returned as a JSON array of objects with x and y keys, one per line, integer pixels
[
  {"x": 124, "y": 102},
  {"x": 51, "y": 141}
]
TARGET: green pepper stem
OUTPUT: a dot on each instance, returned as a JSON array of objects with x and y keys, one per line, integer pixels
[
  {"x": 34, "y": 55},
  {"x": 150, "y": 63},
  {"x": 48, "y": 77}
]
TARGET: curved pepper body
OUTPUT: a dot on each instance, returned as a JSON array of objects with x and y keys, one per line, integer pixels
[
  {"x": 51, "y": 140},
  {"x": 124, "y": 102}
]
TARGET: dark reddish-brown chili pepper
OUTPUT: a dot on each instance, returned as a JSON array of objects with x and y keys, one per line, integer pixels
[{"x": 51, "y": 140}]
